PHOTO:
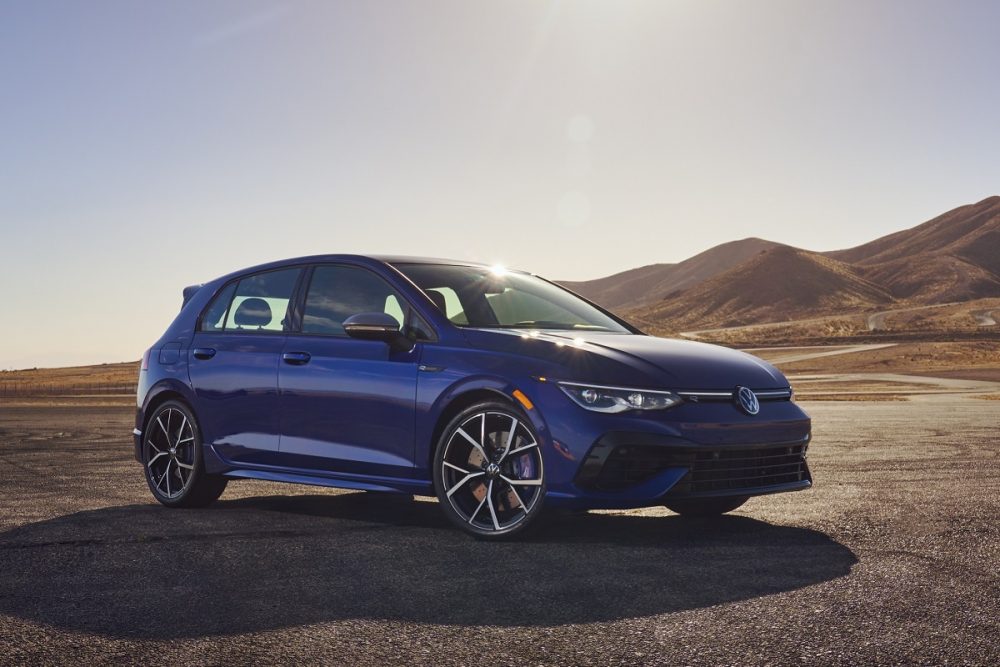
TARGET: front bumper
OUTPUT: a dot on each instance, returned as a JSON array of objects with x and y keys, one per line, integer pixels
[{"x": 624, "y": 469}]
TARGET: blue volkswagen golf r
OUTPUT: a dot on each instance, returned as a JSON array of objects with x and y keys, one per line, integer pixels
[{"x": 496, "y": 391}]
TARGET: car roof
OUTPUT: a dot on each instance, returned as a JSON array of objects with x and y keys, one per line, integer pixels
[
  {"x": 315, "y": 259},
  {"x": 407, "y": 259}
]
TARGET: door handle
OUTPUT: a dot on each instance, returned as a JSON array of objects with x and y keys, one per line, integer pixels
[
  {"x": 203, "y": 353},
  {"x": 296, "y": 358}
]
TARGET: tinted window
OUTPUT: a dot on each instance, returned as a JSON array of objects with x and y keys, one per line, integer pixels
[
  {"x": 447, "y": 301},
  {"x": 215, "y": 316},
  {"x": 478, "y": 297},
  {"x": 260, "y": 302},
  {"x": 337, "y": 292}
]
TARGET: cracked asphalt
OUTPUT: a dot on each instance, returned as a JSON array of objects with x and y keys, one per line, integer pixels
[{"x": 892, "y": 558}]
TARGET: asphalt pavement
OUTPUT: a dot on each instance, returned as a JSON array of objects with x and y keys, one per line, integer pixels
[{"x": 892, "y": 558}]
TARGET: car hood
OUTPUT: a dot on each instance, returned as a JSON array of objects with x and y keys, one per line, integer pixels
[{"x": 636, "y": 360}]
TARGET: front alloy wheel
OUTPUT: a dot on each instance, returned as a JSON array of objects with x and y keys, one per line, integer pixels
[{"x": 488, "y": 471}]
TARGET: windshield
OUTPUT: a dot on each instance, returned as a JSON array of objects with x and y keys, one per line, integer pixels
[{"x": 476, "y": 296}]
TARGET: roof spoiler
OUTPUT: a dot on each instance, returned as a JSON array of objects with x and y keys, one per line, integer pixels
[{"x": 190, "y": 292}]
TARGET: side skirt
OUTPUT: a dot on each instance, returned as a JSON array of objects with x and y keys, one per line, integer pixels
[{"x": 410, "y": 487}]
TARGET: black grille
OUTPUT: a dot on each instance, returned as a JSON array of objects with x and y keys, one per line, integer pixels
[
  {"x": 628, "y": 465},
  {"x": 737, "y": 469},
  {"x": 710, "y": 470}
]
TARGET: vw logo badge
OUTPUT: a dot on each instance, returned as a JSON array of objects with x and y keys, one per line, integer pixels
[{"x": 747, "y": 400}]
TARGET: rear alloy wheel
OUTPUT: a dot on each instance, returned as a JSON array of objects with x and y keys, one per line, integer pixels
[
  {"x": 171, "y": 456},
  {"x": 488, "y": 471},
  {"x": 704, "y": 507}
]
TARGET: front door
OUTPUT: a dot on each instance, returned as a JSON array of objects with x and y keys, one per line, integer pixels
[{"x": 347, "y": 405}]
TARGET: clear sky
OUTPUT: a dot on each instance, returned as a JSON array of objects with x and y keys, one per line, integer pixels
[{"x": 147, "y": 146}]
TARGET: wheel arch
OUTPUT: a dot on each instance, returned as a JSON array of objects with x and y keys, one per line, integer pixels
[
  {"x": 171, "y": 390},
  {"x": 469, "y": 393},
  {"x": 161, "y": 393},
  {"x": 457, "y": 404}
]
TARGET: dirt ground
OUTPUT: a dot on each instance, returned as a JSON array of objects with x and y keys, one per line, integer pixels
[
  {"x": 975, "y": 360},
  {"x": 974, "y": 320},
  {"x": 888, "y": 371},
  {"x": 893, "y": 557}
]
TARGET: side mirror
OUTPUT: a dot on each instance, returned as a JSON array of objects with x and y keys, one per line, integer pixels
[{"x": 377, "y": 326}]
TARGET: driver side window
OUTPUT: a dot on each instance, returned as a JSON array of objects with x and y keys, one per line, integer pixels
[{"x": 337, "y": 292}]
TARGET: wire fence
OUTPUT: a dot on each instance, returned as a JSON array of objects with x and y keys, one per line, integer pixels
[{"x": 11, "y": 389}]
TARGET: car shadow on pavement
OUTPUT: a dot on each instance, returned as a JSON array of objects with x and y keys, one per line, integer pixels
[{"x": 264, "y": 563}]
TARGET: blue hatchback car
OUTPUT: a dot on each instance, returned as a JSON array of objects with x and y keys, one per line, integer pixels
[{"x": 496, "y": 391}]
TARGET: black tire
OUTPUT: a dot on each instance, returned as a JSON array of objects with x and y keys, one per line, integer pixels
[
  {"x": 172, "y": 436},
  {"x": 499, "y": 483},
  {"x": 704, "y": 507}
]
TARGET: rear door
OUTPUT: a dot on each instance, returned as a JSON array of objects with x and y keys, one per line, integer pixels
[
  {"x": 346, "y": 404},
  {"x": 233, "y": 365}
]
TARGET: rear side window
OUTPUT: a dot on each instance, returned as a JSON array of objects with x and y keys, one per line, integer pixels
[
  {"x": 255, "y": 303},
  {"x": 215, "y": 316},
  {"x": 261, "y": 302}
]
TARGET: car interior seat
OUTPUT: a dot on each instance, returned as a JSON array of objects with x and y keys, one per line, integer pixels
[
  {"x": 253, "y": 312},
  {"x": 438, "y": 300}
]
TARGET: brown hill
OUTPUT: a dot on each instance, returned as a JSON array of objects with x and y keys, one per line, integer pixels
[
  {"x": 931, "y": 278},
  {"x": 782, "y": 283},
  {"x": 621, "y": 290},
  {"x": 650, "y": 284},
  {"x": 953, "y": 257}
]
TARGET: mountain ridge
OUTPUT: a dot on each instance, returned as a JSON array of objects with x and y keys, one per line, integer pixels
[
  {"x": 954, "y": 256},
  {"x": 821, "y": 285},
  {"x": 647, "y": 284}
]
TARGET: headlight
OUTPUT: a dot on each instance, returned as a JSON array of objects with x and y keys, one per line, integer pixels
[{"x": 618, "y": 399}]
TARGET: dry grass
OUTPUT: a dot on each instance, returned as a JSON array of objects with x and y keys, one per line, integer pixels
[
  {"x": 852, "y": 390},
  {"x": 70, "y": 401},
  {"x": 872, "y": 396},
  {"x": 803, "y": 387},
  {"x": 971, "y": 360},
  {"x": 946, "y": 318},
  {"x": 104, "y": 378},
  {"x": 931, "y": 358},
  {"x": 934, "y": 322}
]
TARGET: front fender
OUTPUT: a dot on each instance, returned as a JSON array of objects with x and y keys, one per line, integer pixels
[{"x": 438, "y": 392}]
